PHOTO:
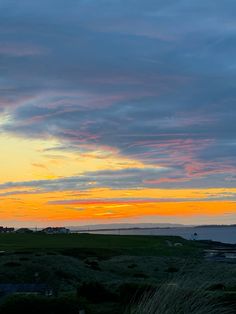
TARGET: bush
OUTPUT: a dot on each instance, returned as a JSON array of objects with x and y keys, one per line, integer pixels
[
  {"x": 140, "y": 275},
  {"x": 229, "y": 300},
  {"x": 63, "y": 275},
  {"x": 24, "y": 259},
  {"x": 95, "y": 292},
  {"x": 172, "y": 269},
  {"x": 12, "y": 264},
  {"x": 217, "y": 287},
  {"x": 93, "y": 265},
  {"x": 38, "y": 305}
]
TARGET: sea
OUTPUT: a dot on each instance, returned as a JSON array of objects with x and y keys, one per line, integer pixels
[{"x": 219, "y": 234}]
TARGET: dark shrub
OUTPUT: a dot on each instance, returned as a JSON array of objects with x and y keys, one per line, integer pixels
[
  {"x": 24, "y": 259},
  {"x": 140, "y": 275},
  {"x": 84, "y": 253},
  {"x": 172, "y": 269},
  {"x": 132, "y": 265},
  {"x": 93, "y": 265},
  {"x": 63, "y": 274},
  {"x": 229, "y": 300},
  {"x": 217, "y": 287},
  {"x": 12, "y": 264},
  {"x": 23, "y": 252},
  {"x": 38, "y": 305},
  {"x": 95, "y": 292}
]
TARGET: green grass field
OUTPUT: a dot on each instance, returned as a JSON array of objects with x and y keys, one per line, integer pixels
[{"x": 137, "y": 245}]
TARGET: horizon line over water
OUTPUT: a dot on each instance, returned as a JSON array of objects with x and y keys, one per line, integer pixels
[{"x": 222, "y": 234}]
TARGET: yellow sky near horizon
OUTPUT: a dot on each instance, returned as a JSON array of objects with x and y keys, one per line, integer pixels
[{"x": 31, "y": 159}]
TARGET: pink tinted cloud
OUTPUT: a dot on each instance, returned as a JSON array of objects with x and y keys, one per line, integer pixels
[
  {"x": 183, "y": 154},
  {"x": 13, "y": 101},
  {"x": 198, "y": 169},
  {"x": 20, "y": 50},
  {"x": 79, "y": 136},
  {"x": 166, "y": 180}
]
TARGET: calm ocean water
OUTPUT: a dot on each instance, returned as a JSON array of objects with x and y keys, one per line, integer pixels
[{"x": 221, "y": 234}]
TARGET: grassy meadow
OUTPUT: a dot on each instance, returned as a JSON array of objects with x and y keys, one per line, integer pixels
[
  {"x": 115, "y": 244},
  {"x": 112, "y": 273}
]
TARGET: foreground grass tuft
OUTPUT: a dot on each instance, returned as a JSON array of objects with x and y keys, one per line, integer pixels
[{"x": 180, "y": 297}]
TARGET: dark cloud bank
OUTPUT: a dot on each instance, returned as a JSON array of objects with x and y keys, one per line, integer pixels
[{"x": 154, "y": 80}]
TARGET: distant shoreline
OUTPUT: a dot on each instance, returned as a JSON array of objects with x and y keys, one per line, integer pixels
[
  {"x": 216, "y": 233},
  {"x": 151, "y": 228}
]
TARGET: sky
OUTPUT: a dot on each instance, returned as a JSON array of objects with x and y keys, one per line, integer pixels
[{"x": 117, "y": 111}]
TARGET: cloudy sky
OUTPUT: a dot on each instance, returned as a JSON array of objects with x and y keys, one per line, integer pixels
[{"x": 117, "y": 111}]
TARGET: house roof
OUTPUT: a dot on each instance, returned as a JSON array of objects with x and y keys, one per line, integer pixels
[{"x": 14, "y": 288}]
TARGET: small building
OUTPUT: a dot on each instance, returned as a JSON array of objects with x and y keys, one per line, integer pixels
[
  {"x": 56, "y": 230},
  {"x": 6, "y": 230},
  {"x": 34, "y": 288}
]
